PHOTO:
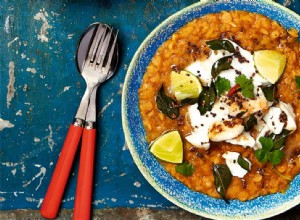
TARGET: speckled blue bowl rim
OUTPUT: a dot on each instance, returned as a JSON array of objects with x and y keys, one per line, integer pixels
[{"x": 194, "y": 202}]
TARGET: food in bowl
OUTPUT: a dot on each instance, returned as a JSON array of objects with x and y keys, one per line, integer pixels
[{"x": 223, "y": 88}]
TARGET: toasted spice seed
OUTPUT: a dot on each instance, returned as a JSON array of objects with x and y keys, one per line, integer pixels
[
  {"x": 193, "y": 149},
  {"x": 199, "y": 155}
]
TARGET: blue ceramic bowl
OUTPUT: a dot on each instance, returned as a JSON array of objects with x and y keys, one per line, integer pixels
[{"x": 170, "y": 188}]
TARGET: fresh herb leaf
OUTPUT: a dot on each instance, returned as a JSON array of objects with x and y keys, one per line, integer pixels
[
  {"x": 269, "y": 92},
  {"x": 261, "y": 155},
  {"x": 268, "y": 152},
  {"x": 266, "y": 143},
  {"x": 220, "y": 65},
  {"x": 246, "y": 85},
  {"x": 250, "y": 123},
  {"x": 279, "y": 139},
  {"x": 221, "y": 45},
  {"x": 297, "y": 78},
  {"x": 243, "y": 163},
  {"x": 185, "y": 169},
  {"x": 167, "y": 105},
  {"x": 222, "y": 85},
  {"x": 207, "y": 99},
  {"x": 276, "y": 157},
  {"x": 223, "y": 179}
]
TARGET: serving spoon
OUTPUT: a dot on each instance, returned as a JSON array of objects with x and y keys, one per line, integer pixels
[{"x": 89, "y": 49}]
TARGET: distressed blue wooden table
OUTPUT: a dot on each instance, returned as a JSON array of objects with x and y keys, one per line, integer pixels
[{"x": 40, "y": 90}]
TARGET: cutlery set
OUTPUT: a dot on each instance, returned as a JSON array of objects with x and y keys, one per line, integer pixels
[{"x": 96, "y": 58}]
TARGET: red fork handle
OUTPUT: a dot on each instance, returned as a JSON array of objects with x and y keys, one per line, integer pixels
[
  {"x": 82, "y": 207},
  {"x": 61, "y": 173}
]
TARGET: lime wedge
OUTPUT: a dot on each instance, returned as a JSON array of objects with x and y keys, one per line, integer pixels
[
  {"x": 168, "y": 147},
  {"x": 185, "y": 85},
  {"x": 270, "y": 64}
]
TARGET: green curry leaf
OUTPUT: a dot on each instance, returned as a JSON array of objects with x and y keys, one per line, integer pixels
[
  {"x": 269, "y": 92},
  {"x": 167, "y": 105},
  {"x": 250, "y": 123},
  {"x": 243, "y": 163},
  {"x": 297, "y": 78},
  {"x": 220, "y": 65},
  {"x": 207, "y": 99},
  {"x": 221, "y": 45},
  {"x": 223, "y": 178}
]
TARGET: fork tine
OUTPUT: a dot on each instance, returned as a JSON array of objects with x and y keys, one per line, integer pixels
[
  {"x": 101, "y": 53},
  {"x": 98, "y": 36},
  {"x": 111, "y": 53}
]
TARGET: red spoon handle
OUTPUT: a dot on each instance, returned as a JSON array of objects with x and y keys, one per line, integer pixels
[
  {"x": 61, "y": 173},
  {"x": 82, "y": 208}
]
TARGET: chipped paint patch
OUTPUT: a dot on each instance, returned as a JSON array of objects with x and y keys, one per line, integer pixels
[
  {"x": 41, "y": 174},
  {"x": 5, "y": 124},
  {"x": 287, "y": 2},
  {"x": 11, "y": 42},
  {"x": 10, "y": 86},
  {"x": 33, "y": 200},
  {"x": 66, "y": 88},
  {"x": 49, "y": 138},
  {"x": 137, "y": 184},
  {"x": 19, "y": 113},
  {"x": 2, "y": 199},
  {"x": 121, "y": 89},
  {"x": 31, "y": 70},
  {"x": 106, "y": 106},
  {"x": 68, "y": 199},
  {"x": 70, "y": 36},
  {"x": 14, "y": 171},
  {"x": 36, "y": 140},
  {"x": 7, "y": 25},
  {"x": 25, "y": 87},
  {"x": 42, "y": 16},
  {"x": 125, "y": 147},
  {"x": 9, "y": 164},
  {"x": 131, "y": 202}
]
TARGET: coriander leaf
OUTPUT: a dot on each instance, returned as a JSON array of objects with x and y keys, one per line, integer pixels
[
  {"x": 185, "y": 169},
  {"x": 269, "y": 92},
  {"x": 207, "y": 99},
  {"x": 250, "y": 122},
  {"x": 222, "y": 85},
  {"x": 167, "y": 105},
  {"x": 266, "y": 143},
  {"x": 220, "y": 65},
  {"x": 221, "y": 44},
  {"x": 297, "y": 78},
  {"x": 243, "y": 163},
  {"x": 246, "y": 85},
  {"x": 261, "y": 155},
  {"x": 223, "y": 179},
  {"x": 276, "y": 157}
]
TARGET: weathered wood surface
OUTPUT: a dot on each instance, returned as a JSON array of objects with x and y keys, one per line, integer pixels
[{"x": 40, "y": 90}]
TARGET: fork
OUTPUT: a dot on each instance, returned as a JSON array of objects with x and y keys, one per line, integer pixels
[
  {"x": 82, "y": 208},
  {"x": 94, "y": 72}
]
